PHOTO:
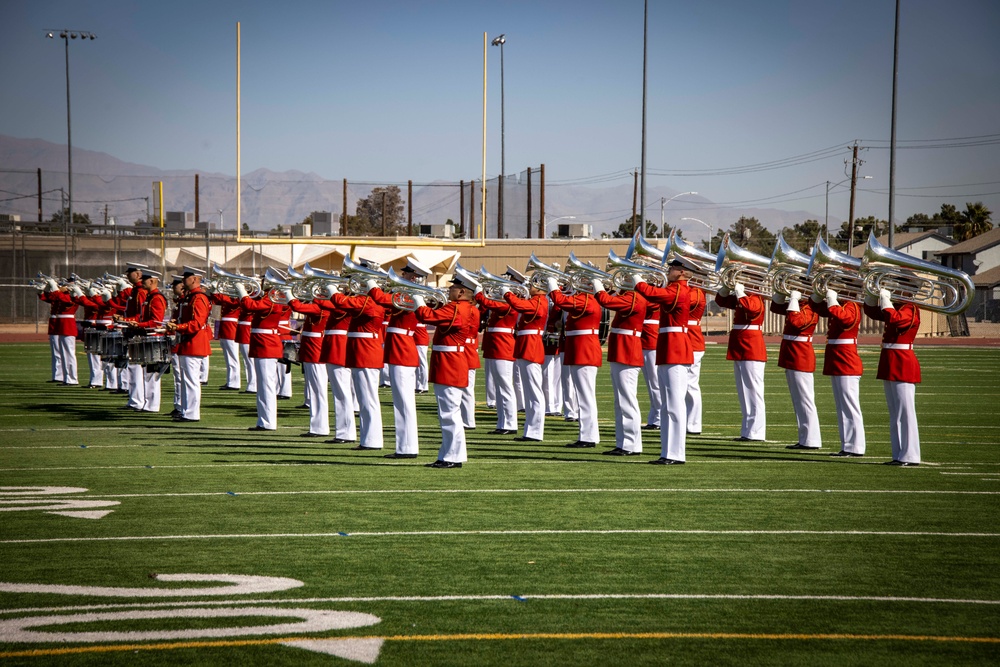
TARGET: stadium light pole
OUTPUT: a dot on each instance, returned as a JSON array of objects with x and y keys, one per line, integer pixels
[
  {"x": 709, "y": 230},
  {"x": 500, "y": 41},
  {"x": 67, "y": 35}
]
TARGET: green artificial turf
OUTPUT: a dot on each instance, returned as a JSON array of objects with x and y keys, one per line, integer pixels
[{"x": 530, "y": 554}]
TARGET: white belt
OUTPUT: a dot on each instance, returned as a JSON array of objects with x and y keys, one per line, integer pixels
[
  {"x": 335, "y": 332},
  {"x": 651, "y": 321},
  {"x": 897, "y": 346},
  {"x": 529, "y": 332},
  {"x": 285, "y": 322},
  {"x": 104, "y": 322},
  {"x": 421, "y": 326},
  {"x": 398, "y": 330},
  {"x": 88, "y": 321},
  {"x": 469, "y": 341},
  {"x": 673, "y": 329},
  {"x": 264, "y": 331},
  {"x": 841, "y": 341},
  {"x": 64, "y": 317},
  {"x": 694, "y": 323},
  {"x": 499, "y": 330},
  {"x": 228, "y": 319},
  {"x": 362, "y": 334},
  {"x": 448, "y": 348},
  {"x": 244, "y": 324},
  {"x": 746, "y": 327},
  {"x": 798, "y": 339},
  {"x": 312, "y": 334},
  {"x": 582, "y": 332},
  {"x": 626, "y": 332}
]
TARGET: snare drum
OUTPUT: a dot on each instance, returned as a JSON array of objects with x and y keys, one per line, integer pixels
[
  {"x": 111, "y": 345},
  {"x": 149, "y": 350},
  {"x": 92, "y": 341},
  {"x": 290, "y": 352}
]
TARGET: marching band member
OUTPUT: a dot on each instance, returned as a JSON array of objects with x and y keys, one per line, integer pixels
[
  {"x": 229, "y": 321},
  {"x": 844, "y": 367},
  {"x": 899, "y": 371},
  {"x": 581, "y": 355},
  {"x": 416, "y": 272},
  {"x": 287, "y": 334},
  {"x": 449, "y": 367},
  {"x": 92, "y": 307},
  {"x": 62, "y": 331},
  {"x": 522, "y": 279},
  {"x": 692, "y": 400},
  {"x": 194, "y": 343},
  {"x": 152, "y": 315},
  {"x": 265, "y": 349},
  {"x": 243, "y": 335},
  {"x": 314, "y": 367},
  {"x": 529, "y": 355},
  {"x": 625, "y": 355},
  {"x": 673, "y": 355},
  {"x": 103, "y": 320},
  {"x": 177, "y": 289},
  {"x": 498, "y": 353},
  {"x": 552, "y": 366},
  {"x": 650, "y": 335},
  {"x": 334, "y": 355},
  {"x": 797, "y": 357},
  {"x": 747, "y": 352},
  {"x": 472, "y": 352},
  {"x": 129, "y": 302}
]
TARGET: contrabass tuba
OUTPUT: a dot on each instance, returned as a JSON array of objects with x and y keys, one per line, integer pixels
[
  {"x": 832, "y": 269},
  {"x": 788, "y": 269},
  {"x": 700, "y": 263},
  {"x": 739, "y": 265},
  {"x": 403, "y": 290}
]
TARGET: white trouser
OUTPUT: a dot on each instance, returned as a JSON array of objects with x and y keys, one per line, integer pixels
[
  {"x": 151, "y": 386},
  {"x": 534, "y": 411},
  {"x": 469, "y": 401},
  {"x": 64, "y": 359},
  {"x": 113, "y": 376},
  {"x": 314, "y": 386},
  {"x": 266, "y": 373},
  {"x": 190, "y": 383},
  {"x": 491, "y": 389},
  {"x": 285, "y": 380},
  {"x": 365, "y": 382},
  {"x": 249, "y": 366},
  {"x": 383, "y": 377},
  {"x": 404, "y": 407},
  {"x": 904, "y": 435},
  {"x": 571, "y": 404},
  {"x": 422, "y": 372},
  {"x": 552, "y": 384},
  {"x": 449, "y": 402},
  {"x": 204, "y": 369},
  {"x": 652, "y": 376},
  {"x": 518, "y": 388},
  {"x": 231, "y": 355},
  {"x": 96, "y": 369},
  {"x": 673, "y": 415},
  {"x": 850, "y": 422},
  {"x": 502, "y": 372},
  {"x": 693, "y": 397},
  {"x": 136, "y": 386},
  {"x": 343, "y": 402},
  {"x": 175, "y": 365},
  {"x": 750, "y": 390},
  {"x": 800, "y": 386},
  {"x": 624, "y": 383},
  {"x": 585, "y": 384}
]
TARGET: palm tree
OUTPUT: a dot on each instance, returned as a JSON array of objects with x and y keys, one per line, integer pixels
[{"x": 975, "y": 221}]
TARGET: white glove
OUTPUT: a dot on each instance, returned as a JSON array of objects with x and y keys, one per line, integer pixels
[
  {"x": 795, "y": 295},
  {"x": 831, "y": 299},
  {"x": 637, "y": 278},
  {"x": 106, "y": 293},
  {"x": 328, "y": 291},
  {"x": 76, "y": 291},
  {"x": 552, "y": 284},
  {"x": 123, "y": 284},
  {"x": 884, "y": 299},
  {"x": 371, "y": 284},
  {"x": 418, "y": 301},
  {"x": 793, "y": 301},
  {"x": 871, "y": 299},
  {"x": 778, "y": 298},
  {"x": 241, "y": 290},
  {"x": 598, "y": 285},
  {"x": 739, "y": 290},
  {"x": 51, "y": 285},
  {"x": 93, "y": 291},
  {"x": 287, "y": 292},
  {"x": 479, "y": 289},
  {"x": 504, "y": 291}
]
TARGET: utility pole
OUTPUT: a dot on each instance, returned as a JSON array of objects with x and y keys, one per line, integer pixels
[
  {"x": 461, "y": 209},
  {"x": 528, "y": 234},
  {"x": 39, "y": 194},
  {"x": 850, "y": 213},
  {"x": 197, "y": 201},
  {"x": 409, "y": 208},
  {"x": 635, "y": 191},
  {"x": 541, "y": 202},
  {"x": 343, "y": 216},
  {"x": 383, "y": 213}
]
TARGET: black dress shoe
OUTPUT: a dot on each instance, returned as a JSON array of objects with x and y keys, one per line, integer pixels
[
  {"x": 502, "y": 431},
  {"x": 667, "y": 462},
  {"x": 313, "y": 435},
  {"x": 650, "y": 427},
  {"x": 228, "y": 388},
  {"x": 580, "y": 444},
  {"x": 524, "y": 438},
  {"x": 362, "y": 448},
  {"x": 844, "y": 453},
  {"x": 799, "y": 445},
  {"x": 902, "y": 464},
  {"x": 694, "y": 432},
  {"x": 571, "y": 419},
  {"x": 204, "y": 384},
  {"x": 178, "y": 418},
  {"x": 247, "y": 391},
  {"x": 175, "y": 413},
  {"x": 259, "y": 428},
  {"x": 396, "y": 455},
  {"x": 444, "y": 464},
  {"x": 620, "y": 452},
  {"x": 337, "y": 441},
  {"x": 284, "y": 398}
]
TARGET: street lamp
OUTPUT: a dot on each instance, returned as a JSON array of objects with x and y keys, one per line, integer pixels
[
  {"x": 499, "y": 41},
  {"x": 709, "y": 230},
  {"x": 561, "y": 217},
  {"x": 67, "y": 35},
  {"x": 663, "y": 205}
]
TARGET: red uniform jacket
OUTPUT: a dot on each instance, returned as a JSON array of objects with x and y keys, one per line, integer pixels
[
  {"x": 229, "y": 317},
  {"x": 845, "y": 321},
  {"x": 673, "y": 346},
  {"x": 472, "y": 338},
  {"x": 449, "y": 362},
  {"x": 582, "y": 328},
  {"x": 625, "y": 338},
  {"x": 338, "y": 321},
  {"x": 420, "y": 335},
  {"x": 90, "y": 309},
  {"x": 897, "y": 361},
  {"x": 498, "y": 339},
  {"x": 129, "y": 301},
  {"x": 695, "y": 312},
  {"x": 265, "y": 338},
  {"x": 153, "y": 313},
  {"x": 364, "y": 335},
  {"x": 651, "y": 326},
  {"x": 62, "y": 313},
  {"x": 746, "y": 339},
  {"x": 400, "y": 348},
  {"x": 530, "y": 324},
  {"x": 194, "y": 337},
  {"x": 552, "y": 339},
  {"x": 796, "y": 352},
  {"x": 243, "y": 326},
  {"x": 102, "y": 311},
  {"x": 313, "y": 331}
]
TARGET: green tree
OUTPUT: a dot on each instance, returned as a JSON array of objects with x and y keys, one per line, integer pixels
[
  {"x": 802, "y": 236},
  {"x": 59, "y": 217},
  {"x": 626, "y": 230},
  {"x": 367, "y": 220},
  {"x": 749, "y": 234},
  {"x": 974, "y": 220}
]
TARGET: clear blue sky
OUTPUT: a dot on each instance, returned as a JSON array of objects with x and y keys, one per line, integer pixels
[{"x": 387, "y": 91}]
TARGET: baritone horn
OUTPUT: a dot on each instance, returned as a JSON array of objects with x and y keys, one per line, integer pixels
[
  {"x": 358, "y": 276},
  {"x": 403, "y": 291},
  {"x": 582, "y": 275},
  {"x": 700, "y": 263},
  {"x": 275, "y": 286},
  {"x": 925, "y": 284},
  {"x": 225, "y": 283},
  {"x": 739, "y": 265},
  {"x": 541, "y": 272},
  {"x": 318, "y": 282},
  {"x": 788, "y": 269},
  {"x": 622, "y": 270},
  {"x": 642, "y": 252},
  {"x": 831, "y": 269},
  {"x": 494, "y": 286}
]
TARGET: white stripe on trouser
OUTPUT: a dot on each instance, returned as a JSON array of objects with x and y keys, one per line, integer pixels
[
  {"x": 64, "y": 349},
  {"x": 469, "y": 401},
  {"x": 628, "y": 419},
  {"x": 343, "y": 402},
  {"x": 404, "y": 407},
  {"x": 518, "y": 388},
  {"x": 652, "y": 376},
  {"x": 585, "y": 383},
  {"x": 231, "y": 355},
  {"x": 422, "y": 376},
  {"x": 249, "y": 366},
  {"x": 204, "y": 369},
  {"x": 904, "y": 436},
  {"x": 502, "y": 372},
  {"x": 55, "y": 358},
  {"x": 314, "y": 386},
  {"x": 266, "y": 374},
  {"x": 491, "y": 389},
  {"x": 96, "y": 369},
  {"x": 534, "y": 411},
  {"x": 570, "y": 404},
  {"x": 552, "y": 383},
  {"x": 850, "y": 422},
  {"x": 800, "y": 386},
  {"x": 449, "y": 407},
  {"x": 365, "y": 381},
  {"x": 151, "y": 384},
  {"x": 673, "y": 414},
  {"x": 175, "y": 366},
  {"x": 692, "y": 399},
  {"x": 190, "y": 382},
  {"x": 285, "y": 380},
  {"x": 383, "y": 376},
  {"x": 136, "y": 386},
  {"x": 750, "y": 390}
]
